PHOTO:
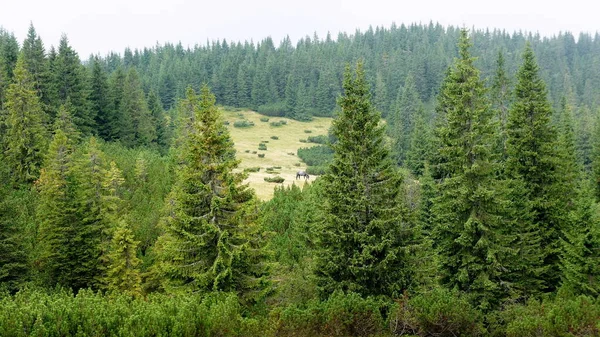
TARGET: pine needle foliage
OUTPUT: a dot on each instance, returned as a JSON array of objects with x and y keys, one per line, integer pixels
[{"x": 365, "y": 234}]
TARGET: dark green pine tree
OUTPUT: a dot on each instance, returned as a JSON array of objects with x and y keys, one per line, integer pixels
[
  {"x": 365, "y": 236},
  {"x": 580, "y": 246},
  {"x": 595, "y": 157},
  {"x": 100, "y": 106},
  {"x": 468, "y": 233},
  {"x": 580, "y": 241},
  {"x": 533, "y": 169},
  {"x": 116, "y": 123},
  {"x": 137, "y": 128},
  {"x": 501, "y": 98},
  {"x": 403, "y": 117},
  {"x": 36, "y": 63},
  {"x": 24, "y": 143},
  {"x": 14, "y": 266},
  {"x": 209, "y": 241},
  {"x": 69, "y": 80},
  {"x": 159, "y": 120},
  {"x": 421, "y": 144}
]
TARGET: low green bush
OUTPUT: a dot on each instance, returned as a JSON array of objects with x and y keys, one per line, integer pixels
[
  {"x": 437, "y": 312},
  {"x": 273, "y": 109},
  {"x": 277, "y": 179},
  {"x": 307, "y": 131},
  {"x": 243, "y": 124},
  {"x": 262, "y": 147},
  {"x": 274, "y": 137},
  {"x": 321, "y": 139},
  {"x": 252, "y": 169},
  {"x": 261, "y": 155},
  {"x": 264, "y": 119}
]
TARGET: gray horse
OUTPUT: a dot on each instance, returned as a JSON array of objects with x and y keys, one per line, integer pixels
[{"x": 302, "y": 174}]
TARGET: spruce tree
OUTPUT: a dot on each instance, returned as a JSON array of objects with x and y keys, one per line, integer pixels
[
  {"x": 56, "y": 212},
  {"x": 100, "y": 100},
  {"x": 500, "y": 99},
  {"x": 69, "y": 80},
  {"x": 421, "y": 144},
  {"x": 116, "y": 123},
  {"x": 89, "y": 172},
  {"x": 137, "y": 127},
  {"x": 209, "y": 240},
  {"x": 122, "y": 274},
  {"x": 25, "y": 139},
  {"x": 159, "y": 120},
  {"x": 468, "y": 233},
  {"x": 365, "y": 235},
  {"x": 534, "y": 172},
  {"x": 36, "y": 63}
]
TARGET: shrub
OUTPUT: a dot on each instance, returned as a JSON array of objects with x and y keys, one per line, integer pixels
[
  {"x": 273, "y": 109},
  {"x": 264, "y": 141},
  {"x": 261, "y": 155},
  {"x": 252, "y": 169},
  {"x": 243, "y": 124},
  {"x": 278, "y": 123},
  {"x": 262, "y": 147},
  {"x": 298, "y": 165},
  {"x": 264, "y": 119},
  {"x": 277, "y": 179},
  {"x": 321, "y": 139},
  {"x": 247, "y": 151},
  {"x": 438, "y": 312},
  {"x": 562, "y": 316},
  {"x": 316, "y": 170},
  {"x": 320, "y": 155},
  {"x": 253, "y": 152},
  {"x": 225, "y": 122},
  {"x": 340, "y": 315},
  {"x": 303, "y": 141},
  {"x": 307, "y": 131},
  {"x": 274, "y": 137}
]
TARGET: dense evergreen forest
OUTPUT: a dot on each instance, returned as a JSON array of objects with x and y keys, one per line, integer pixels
[{"x": 459, "y": 195}]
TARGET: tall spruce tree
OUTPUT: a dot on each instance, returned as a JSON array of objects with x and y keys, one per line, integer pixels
[
  {"x": 137, "y": 126},
  {"x": 69, "y": 80},
  {"x": 36, "y": 63},
  {"x": 534, "y": 172},
  {"x": 100, "y": 100},
  {"x": 24, "y": 143},
  {"x": 365, "y": 236},
  {"x": 56, "y": 212},
  {"x": 468, "y": 232},
  {"x": 209, "y": 240}
]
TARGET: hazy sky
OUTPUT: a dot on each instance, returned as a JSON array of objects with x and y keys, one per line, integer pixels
[{"x": 103, "y": 25}]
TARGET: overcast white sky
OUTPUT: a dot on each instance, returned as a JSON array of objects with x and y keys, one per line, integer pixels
[{"x": 103, "y": 25}]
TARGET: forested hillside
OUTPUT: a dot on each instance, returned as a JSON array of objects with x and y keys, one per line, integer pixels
[{"x": 458, "y": 197}]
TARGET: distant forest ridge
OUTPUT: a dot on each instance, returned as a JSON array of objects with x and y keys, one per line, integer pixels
[{"x": 305, "y": 79}]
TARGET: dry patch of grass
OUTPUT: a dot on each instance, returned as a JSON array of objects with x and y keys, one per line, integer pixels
[{"x": 280, "y": 152}]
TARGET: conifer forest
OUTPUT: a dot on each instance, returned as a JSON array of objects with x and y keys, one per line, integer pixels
[{"x": 456, "y": 193}]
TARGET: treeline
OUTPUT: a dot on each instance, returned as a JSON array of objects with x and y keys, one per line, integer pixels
[{"x": 107, "y": 226}]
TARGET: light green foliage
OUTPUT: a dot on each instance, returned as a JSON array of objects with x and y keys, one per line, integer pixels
[
  {"x": 56, "y": 212},
  {"x": 24, "y": 143},
  {"x": 210, "y": 234},
  {"x": 365, "y": 234},
  {"x": 468, "y": 227},
  {"x": 122, "y": 274}
]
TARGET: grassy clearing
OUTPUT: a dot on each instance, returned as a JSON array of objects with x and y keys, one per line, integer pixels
[{"x": 281, "y": 150}]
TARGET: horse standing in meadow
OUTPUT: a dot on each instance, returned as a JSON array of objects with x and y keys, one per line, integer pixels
[{"x": 302, "y": 174}]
